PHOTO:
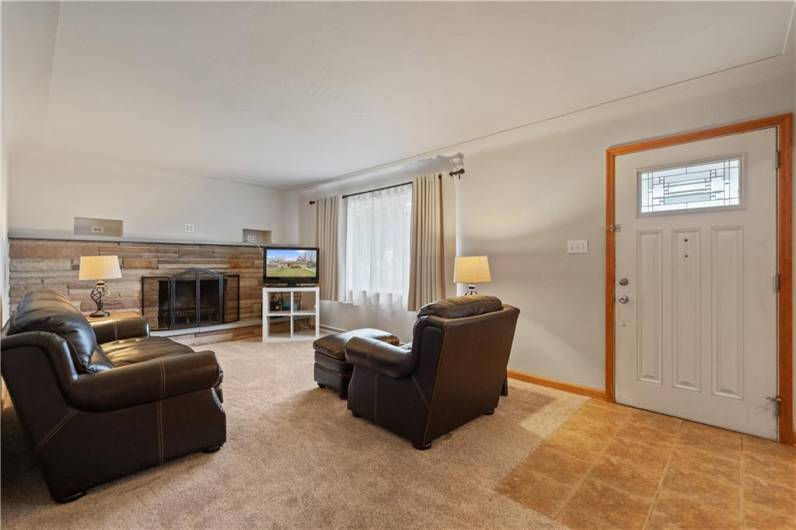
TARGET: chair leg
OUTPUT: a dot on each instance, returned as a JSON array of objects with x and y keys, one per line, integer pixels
[
  {"x": 211, "y": 449},
  {"x": 70, "y": 498},
  {"x": 421, "y": 447},
  {"x": 489, "y": 412}
]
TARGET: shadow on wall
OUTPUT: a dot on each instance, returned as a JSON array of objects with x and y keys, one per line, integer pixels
[{"x": 561, "y": 297}]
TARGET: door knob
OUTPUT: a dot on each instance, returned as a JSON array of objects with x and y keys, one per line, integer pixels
[{"x": 623, "y": 299}]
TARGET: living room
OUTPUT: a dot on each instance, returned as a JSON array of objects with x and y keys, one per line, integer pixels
[{"x": 397, "y": 264}]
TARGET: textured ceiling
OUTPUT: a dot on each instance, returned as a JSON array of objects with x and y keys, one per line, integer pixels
[{"x": 289, "y": 94}]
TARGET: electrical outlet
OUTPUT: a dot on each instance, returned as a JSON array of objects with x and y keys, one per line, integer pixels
[
  {"x": 578, "y": 246},
  {"x": 189, "y": 227}
]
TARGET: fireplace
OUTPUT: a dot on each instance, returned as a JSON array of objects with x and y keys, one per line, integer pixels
[{"x": 190, "y": 299}]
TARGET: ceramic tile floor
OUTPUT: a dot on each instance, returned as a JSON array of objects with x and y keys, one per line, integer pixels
[{"x": 610, "y": 466}]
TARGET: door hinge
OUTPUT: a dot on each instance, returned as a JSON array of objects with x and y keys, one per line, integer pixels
[
  {"x": 612, "y": 228},
  {"x": 779, "y": 157},
  {"x": 776, "y": 283},
  {"x": 776, "y": 401}
]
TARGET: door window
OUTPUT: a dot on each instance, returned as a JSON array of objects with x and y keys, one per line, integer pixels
[{"x": 695, "y": 186}]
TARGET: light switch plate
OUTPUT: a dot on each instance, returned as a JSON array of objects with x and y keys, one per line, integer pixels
[
  {"x": 190, "y": 227},
  {"x": 578, "y": 246}
]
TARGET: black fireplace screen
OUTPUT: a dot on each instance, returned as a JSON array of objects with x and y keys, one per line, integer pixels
[{"x": 189, "y": 299}]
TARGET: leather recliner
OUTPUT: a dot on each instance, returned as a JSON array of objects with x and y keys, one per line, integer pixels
[
  {"x": 450, "y": 374},
  {"x": 102, "y": 400}
]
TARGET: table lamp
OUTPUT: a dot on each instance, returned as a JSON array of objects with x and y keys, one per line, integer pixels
[
  {"x": 99, "y": 268},
  {"x": 471, "y": 270}
]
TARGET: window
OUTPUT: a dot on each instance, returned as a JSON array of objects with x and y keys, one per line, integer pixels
[
  {"x": 378, "y": 232},
  {"x": 700, "y": 185}
]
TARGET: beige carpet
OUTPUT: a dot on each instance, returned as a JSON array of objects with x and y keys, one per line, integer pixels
[{"x": 296, "y": 458}]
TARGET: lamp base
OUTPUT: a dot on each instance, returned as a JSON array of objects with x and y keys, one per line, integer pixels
[
  {"x": 98, "y": 294},
  {"x": 471, "y": 290}
]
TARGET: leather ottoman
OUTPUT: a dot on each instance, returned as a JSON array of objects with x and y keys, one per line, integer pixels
[{"x": 331, "y": 369}]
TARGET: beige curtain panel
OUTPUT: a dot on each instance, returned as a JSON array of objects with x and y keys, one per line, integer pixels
[
  {"x": 427, "y": 267},
  {"x": 326, "y": 214}
]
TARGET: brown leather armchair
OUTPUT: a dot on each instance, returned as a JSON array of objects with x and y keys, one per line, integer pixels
[
  {"x": 451, "y": 373},
  {"x": 100, "y": 401}
]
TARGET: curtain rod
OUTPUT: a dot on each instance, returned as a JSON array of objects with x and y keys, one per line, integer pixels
[
  {"x": 347, "y": 195},
  {"x": 451, "y": 173}
]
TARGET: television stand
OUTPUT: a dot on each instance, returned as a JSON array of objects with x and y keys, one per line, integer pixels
[{"x": 299, "y": 321}]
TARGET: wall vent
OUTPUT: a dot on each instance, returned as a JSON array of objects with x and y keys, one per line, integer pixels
[
  {"x": 256, "y": 237},
  {"x": 89, "y": 226}
]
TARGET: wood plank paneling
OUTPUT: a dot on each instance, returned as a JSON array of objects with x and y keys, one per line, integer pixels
[{"x": 54, "y": 264}]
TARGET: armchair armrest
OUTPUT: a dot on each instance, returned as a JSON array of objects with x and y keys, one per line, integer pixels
[
  {"x": 393, "y": 361},
  {"x": 144, "y": 382},
  {"x": 118, "y": 329}
]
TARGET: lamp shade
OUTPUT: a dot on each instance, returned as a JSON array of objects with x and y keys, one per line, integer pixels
[
  {"x": 99, "y": 268},
  {"x": 471, "y": 269}
]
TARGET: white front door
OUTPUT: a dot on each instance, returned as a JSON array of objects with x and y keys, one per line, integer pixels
[{"x": 696, "y": 299}]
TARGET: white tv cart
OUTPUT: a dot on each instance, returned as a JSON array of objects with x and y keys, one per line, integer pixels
[{"x": 293, "y": 314}]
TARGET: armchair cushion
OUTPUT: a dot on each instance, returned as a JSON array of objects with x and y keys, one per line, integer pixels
[
  {"x": 334, "y": 345},
  {"x": 393, "y": 361},
  {"x": 46, "y": 310},
  {"x": 461, "y": 306},
  {"x": 145, "y": 382},
  {"x": 120, "y": 328},
  {"x": 140, "y": 349}
]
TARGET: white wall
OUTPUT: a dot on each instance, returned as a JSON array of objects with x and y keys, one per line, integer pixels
[
  {"x": 3, "y": 204},
  {"x": 3, "y": 234},
  {"x": 47, "y": 192},
  {"x": 347, "y": 316}
]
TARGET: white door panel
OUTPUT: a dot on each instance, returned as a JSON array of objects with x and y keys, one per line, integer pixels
[
  {"x": 696, "y": 337},
  {"x": 686, "y": 308}
]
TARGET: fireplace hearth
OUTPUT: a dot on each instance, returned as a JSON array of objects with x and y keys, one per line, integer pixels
[{"x": 190, "y": 299}]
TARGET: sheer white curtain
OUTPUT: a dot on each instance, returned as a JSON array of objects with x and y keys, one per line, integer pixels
[{"x": 377, "y": 247}]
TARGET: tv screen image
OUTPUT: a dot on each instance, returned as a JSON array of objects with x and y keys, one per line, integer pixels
[{"x": 291, "y": 263}]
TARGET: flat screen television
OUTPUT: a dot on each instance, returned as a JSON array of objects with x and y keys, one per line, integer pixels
[{"x": 290, "y": 265}]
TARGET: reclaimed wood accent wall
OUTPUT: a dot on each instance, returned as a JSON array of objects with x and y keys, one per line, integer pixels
[{"x": 54, "y": 264}]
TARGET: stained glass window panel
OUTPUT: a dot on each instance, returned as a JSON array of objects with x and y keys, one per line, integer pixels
[{"x": 701, "y": 185}]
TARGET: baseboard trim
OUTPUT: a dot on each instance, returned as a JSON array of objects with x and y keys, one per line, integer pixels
[{"x": 595, "y": 393}]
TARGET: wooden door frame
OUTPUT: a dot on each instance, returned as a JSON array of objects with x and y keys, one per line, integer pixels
[{"x": 783, "y": 123}]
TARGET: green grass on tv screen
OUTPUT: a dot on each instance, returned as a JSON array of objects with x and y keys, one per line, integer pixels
[{"x": 291, "y": 272}]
